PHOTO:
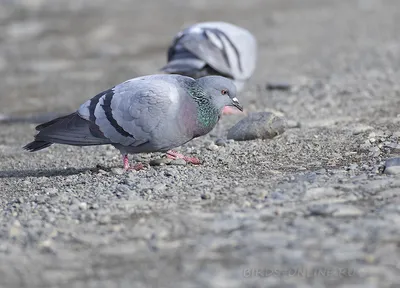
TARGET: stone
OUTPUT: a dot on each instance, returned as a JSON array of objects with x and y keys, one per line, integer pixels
[
  {"x": 392, "y": 166},
  {"x": 282, "y": 86},
  {"x": 83, "y": 205},
  {"x": 212, "y": 147},
  {"x": 51, "y": 191},
  {"x": 293, "y": 124},
  {"x": 46, "y": 246},
  {"x": 160, "y": 161},
  {"x": 321, "y": 209},
  {"x": 15, "y": 230},
  {"x": 106, "y": 219},
  {"x": 207, "y": 196},
  {"x": 117, "y": 171},
  {"x": 220, "y": 142},
  {"x": 347, "y": 211},
  {"x": 358, "y": 129},
  {"x": 320, "y": 192},
  {"x": 178, "y": 162},
  {"x": 261, "y": 125}
]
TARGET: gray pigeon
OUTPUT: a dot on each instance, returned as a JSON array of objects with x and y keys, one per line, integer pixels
[
  {"x": 152, "y": 113},
  {"x": 213, "y": 48}
]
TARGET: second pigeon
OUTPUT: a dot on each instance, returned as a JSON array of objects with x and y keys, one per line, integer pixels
[{"x": 213, "y": 48}]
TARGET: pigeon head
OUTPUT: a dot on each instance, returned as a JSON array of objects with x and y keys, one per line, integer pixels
[{"x": 221, "y": 90}]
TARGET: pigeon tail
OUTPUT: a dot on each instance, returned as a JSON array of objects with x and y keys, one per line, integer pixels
[
  {"x": 71, "y": 130},
  {"x": 37, "y": 145},
  {"x": 186, "y": 66},
  {"x": 194, "y": 68}
]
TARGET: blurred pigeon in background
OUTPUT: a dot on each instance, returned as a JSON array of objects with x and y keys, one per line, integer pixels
[
  {"x": 213, "y": 48},
  {"x": 152, "y": 113}
]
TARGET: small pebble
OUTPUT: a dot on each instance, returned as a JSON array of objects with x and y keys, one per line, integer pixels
[
  {"x": 41, "y": 199},
  {"x": 117, "y": 228},
  {"x": 117, "y": 171},
  {"x": 74, "y": 207},
  {"x": 212, "y": 147},
  {"x": 220, "y": 142},
  {"x": 261, "y": 125},
  {"x": 282, "y": 86},
  {"x": 293, "y": 124},
  {"x": 207, "y": 195},
  {"x": 347, "y": 211},
  {"x": 105, "y": 220},
  {"x": 63, "y": 198},
  {"x": 122, "y": 188},
  {"x": 46, "y": 246},
  {"x": 94, "y": 206},
  {"x": 276, "y": 195},
  {"x": 178, "y": 162},
  {"x": 15, "y": 230},
  {"x": 352, "y": 167},
  {"x": 392, "y": 166},
  {"x": 26, "y": 183},
  {"x": 160, "y": 161},
  {"x": 370, "y": 259},
  {"x": 267, "y": 215},
  {"x": 83, "y": 205},
  {"x": 374, "y": 151},
  {"x": 393, "y": 146},
  {"x": 51, "y": 191},
  {"x": 396, "y": 134},
  {"x": 320, "y": 192},
  {"x": 321, "y": 210},
  {"x": 159, "y": 187},
  {"x": 169, "y": 172},
  {"x": 361, "y": 129}
]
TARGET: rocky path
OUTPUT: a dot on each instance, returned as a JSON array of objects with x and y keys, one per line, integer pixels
[{"x": 310, "y": 208}]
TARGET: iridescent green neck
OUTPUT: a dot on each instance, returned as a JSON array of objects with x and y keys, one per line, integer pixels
[{"x": 207, "y": 114}]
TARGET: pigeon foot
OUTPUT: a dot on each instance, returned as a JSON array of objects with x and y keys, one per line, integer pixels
[
  {"x": 128, "y": 167},
  {"x": 175, "y": 155}
]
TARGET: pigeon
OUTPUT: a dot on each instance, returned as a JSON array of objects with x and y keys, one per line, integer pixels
[
  {"x": 153, "y": 113},
  {"x": 213, "y": 48}
]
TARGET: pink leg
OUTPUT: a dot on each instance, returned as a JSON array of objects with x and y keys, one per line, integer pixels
[
  {"x": 126, "y": 162},
  {"x": 228, "y": 110},
  {"x": 127, "y": 167},
  {"x": 175, "y": 155}
]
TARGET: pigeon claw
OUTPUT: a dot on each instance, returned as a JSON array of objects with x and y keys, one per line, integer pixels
[
  {"x": 192, "y": 160},
  {"x": 127, "y": 167},
  {"x": 136, "y": 167},
  {"x": 175, "y": 155}
]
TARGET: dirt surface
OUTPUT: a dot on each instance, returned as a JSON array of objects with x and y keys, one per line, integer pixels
[{"x": 310, "y": 208}]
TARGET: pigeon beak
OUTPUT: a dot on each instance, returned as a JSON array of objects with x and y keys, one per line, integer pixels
[{"x": 235, "y": 103}]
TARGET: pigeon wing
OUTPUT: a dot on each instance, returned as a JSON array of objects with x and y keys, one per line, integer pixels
[
  {"x": 227, "y": 48},
  {"x": 209, "y": 48},
  {"x": 128, "y": 113}
]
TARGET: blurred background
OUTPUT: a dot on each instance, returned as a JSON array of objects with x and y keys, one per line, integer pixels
[{"x": 55, "y": 53}]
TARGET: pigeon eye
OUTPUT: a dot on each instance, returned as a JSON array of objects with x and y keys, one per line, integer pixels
[{"x": 224, "y": 92}]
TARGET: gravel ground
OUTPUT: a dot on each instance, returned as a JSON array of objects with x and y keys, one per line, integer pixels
[{"x": 309, "y": 208}]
